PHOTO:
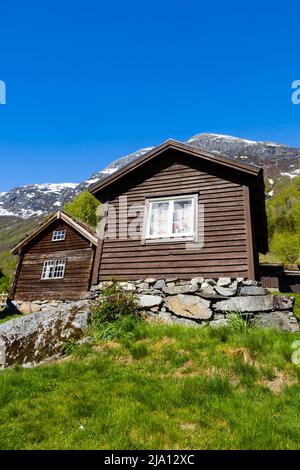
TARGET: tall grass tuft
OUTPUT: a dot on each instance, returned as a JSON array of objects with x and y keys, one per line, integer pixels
[{"x": 237, "y": 323}]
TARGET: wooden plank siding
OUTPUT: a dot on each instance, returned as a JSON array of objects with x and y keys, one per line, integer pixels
[
  {"x": 79, "y": 255},
  {"x": 226, "y": 250}
]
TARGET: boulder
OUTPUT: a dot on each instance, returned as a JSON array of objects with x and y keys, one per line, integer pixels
[
  {"x": 224, "y": 281},
  {"x": 279, "y": 320},
  {"x": 226, "y": 291},
  {"x": 253, "y": 290},
  {"x": 35, "y": 337},
  {"x": 26, "y": 308},
  {"x": 262, "y": 303},
  {"x": 283, "y": 303},
  {"x": 183, "y": 289},
  {"x": 189, "y": 306},
  {"x": 149, "y": 301}
]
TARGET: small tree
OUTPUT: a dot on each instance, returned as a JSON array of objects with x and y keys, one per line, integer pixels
[
  {"x": 84, "y": 207},
  {"x": 286, "y": 246}
]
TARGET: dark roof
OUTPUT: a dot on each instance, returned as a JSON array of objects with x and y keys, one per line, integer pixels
[
  {"x": 174, "y": 144},
  {"x": 79, "y": 227},
  {"x": 252, "y": 174}
]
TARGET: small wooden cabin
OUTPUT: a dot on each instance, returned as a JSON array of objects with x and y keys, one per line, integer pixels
[
  {"x": 200, "y": 214},
  {"x": 55, "y": 261}
]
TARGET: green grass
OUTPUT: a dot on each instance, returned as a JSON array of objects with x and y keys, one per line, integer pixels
[
  {"x": 162, "y": 387},
  {"x": 4, "y": 317}
]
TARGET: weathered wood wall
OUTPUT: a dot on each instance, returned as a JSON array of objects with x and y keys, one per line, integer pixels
[
  {"x": 228, "y": 247},
  {"x": 79, "y": 255}
]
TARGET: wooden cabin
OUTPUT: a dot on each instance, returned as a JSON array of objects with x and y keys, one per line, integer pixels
[
  {"x": 55, "y": 261},
  {"x": 183, "y": 212}
]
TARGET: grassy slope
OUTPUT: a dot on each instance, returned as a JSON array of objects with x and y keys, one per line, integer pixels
[
  {"x": 163, "y": 387},
  {"x": 12, "y": 230}
]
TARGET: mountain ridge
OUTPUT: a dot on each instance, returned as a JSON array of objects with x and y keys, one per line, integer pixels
[{"x": 278, "y": 160}]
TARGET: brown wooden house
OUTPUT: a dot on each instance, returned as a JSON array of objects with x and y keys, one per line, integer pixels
[
  {"x": 55, "y": 261},
  {"x": 200, "y": 214}
]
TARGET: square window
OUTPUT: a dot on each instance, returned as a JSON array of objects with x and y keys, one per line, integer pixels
[
  {"x": 58, "y": 235},
  {"x": 171, "y": 218},
  {"x": 54, "y": 269}
]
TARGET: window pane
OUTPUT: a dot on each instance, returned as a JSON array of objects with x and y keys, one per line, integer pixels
[
  {"x": 58, "y": 235},
  {"x": 183, "y": 217},
  {"x": 159, "y": 218}
]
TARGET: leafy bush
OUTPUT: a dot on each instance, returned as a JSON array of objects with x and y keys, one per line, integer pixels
[
  {"x": 5, "y": 282},
  {"x": 286, "y": 246},
  {"x": 116, "y": 313},
  {"x": 84, "y": 208}
]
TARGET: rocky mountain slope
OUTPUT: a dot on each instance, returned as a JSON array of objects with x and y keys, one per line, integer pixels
[{"x": 279, "y": 161}]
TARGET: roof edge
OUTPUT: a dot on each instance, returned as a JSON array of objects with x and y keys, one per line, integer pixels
[
  {"x": 171, "y": 143},
  {"x": 79, "y": 227}
]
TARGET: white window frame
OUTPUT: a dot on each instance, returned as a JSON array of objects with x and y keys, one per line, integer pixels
[
  {"x": 58, "y": 235},
  {"x": 53, "y": 274},
  {"x": 170, "y": 236}
]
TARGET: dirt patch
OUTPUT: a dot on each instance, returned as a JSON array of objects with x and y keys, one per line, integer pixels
[
  {"x": 242, "y": 353},
  {"x": 186, "y": 370},
  {"x": 187, "y": 427},
  {"x": 280, "y": 381}
]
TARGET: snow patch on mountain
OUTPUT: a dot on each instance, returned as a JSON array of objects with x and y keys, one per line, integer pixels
[{"x": 41, "y": 199}]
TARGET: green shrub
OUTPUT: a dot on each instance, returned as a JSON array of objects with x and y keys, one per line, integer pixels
[
  {"x": 84, "y": 208},
  {"x": 116, "y": 314},
  {"x": 286, "y": 246}
]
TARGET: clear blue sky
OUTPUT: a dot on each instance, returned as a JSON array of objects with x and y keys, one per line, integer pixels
[{"x": 89, "y": 81}]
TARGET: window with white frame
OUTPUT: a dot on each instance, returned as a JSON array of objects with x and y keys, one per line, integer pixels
[
  {"x": 54, "y": 269},
  {"x": 171, "y": 217},
  {"x": 58, "y": 235}
]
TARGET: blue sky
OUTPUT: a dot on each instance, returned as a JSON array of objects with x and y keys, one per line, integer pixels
[{"x": 90, "y": 81}]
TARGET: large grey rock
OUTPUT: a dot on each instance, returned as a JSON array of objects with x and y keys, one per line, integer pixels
[
  {"x": 226, "y": 291},
  {"x": 280, "y": 320},
  {"x": 148, "y": 301},
  {"x": 224, "y": 281},
  {"x": 183, "y": 289},
  {"x": 283, "y": 303},
  {"x": 189, "y": 306},
  {"x": 261, "y": 303},
  {"x": 169, "y": 319},
  {"x": 33, "y": 338},
  {"x": 160, "y": 284},
  {"x": 253, "y": 290}
]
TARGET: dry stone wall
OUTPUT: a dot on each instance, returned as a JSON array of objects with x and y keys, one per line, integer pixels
[{"x": 200, "y": 302}]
